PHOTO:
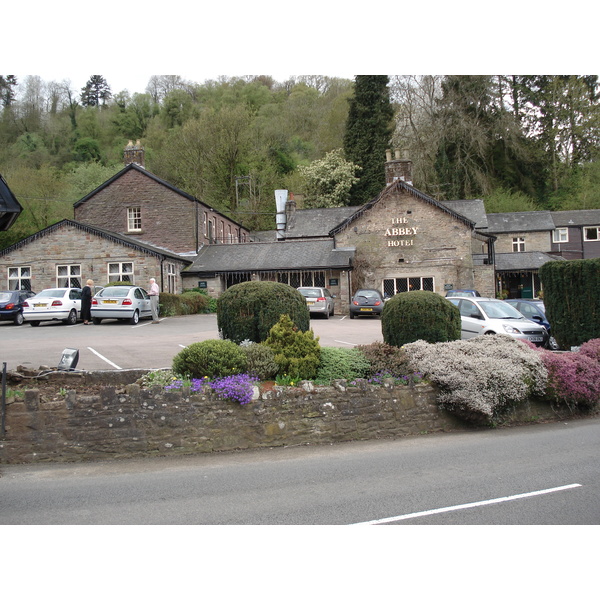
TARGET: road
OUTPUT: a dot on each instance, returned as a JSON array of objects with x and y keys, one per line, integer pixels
[
  {"x": 540, "y": 474},
  {"x": 118, "y": 345}
]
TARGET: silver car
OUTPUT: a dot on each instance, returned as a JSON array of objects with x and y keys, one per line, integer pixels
[
  {"x": 319, "y": 300},
  {"x": 481, "y": 316},
  {"x": 126, "y": 302},
  {"x": 54, "y": 304}
]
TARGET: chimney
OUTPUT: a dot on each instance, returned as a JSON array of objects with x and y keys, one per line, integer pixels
[
  {"x": 398, "y": 168},
  {"x": 134, "y": 153},
  {"x": 280, "y": 218}
]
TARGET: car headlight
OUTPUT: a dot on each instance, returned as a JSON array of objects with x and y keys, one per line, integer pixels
[{"x": 510, "y": 329}]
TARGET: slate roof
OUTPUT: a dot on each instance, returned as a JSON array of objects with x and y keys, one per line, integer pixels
[
  {"x": 317, "y": 222},
  {"x": 516, "y": 222},
  {"x": 271, "y": 256},
  {"x": 10, "y": 208},
  {"x": 523, "y": 261},
  {"x": 125, "y": 240},
  {"x": 474, "y": 210},
  {"x": 576, "y": 218},
  {"x": 136, "y": 167}
]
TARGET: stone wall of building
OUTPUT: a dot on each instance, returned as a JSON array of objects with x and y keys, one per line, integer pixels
[
  {"x": 535, "y": 241},
  {"x": 403, "y": 236},
  {"x": 124, "y": 421},
  {"x": 69, "y": 245}
]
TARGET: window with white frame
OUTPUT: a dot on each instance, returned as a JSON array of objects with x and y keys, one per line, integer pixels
[
  {"x": 302, "y": 278},
  {"x": 68, "y": 276},
  {"x": 518, "y": 244},
  {"x": 171, "y": 278},
  {"x": 560, "y": 235},
  {"x": 121, "y": 271},
  {"x": 205, "y": 224},
  {"x": 591, "y": 234},
  {"x": 19, "y": 278},
  {"x": 134, "y": 218},
  {"x": 407, "y": 284}
]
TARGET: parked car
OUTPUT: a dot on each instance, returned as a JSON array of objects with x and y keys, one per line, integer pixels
[
  {"x": 126, "y": 302},
  {"x": 11, "y": 305},
  {"x": 463, "y": 293},
  {"x": 481, "y": 316},
  {"x": 366, "y": 302},
  {"x": 319, "y": 300},
  {"x": 53, "y": 304},
  {"x": 534, "y": 310}
]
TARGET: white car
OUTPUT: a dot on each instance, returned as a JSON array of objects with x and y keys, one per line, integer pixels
[
  {"x": 124, "y": 302},
  {"x": 54, "y": 304},
  {"x": 481, "y": 316}
]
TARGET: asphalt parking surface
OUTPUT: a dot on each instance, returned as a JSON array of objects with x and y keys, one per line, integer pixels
[{"x": 119, "y": 345}]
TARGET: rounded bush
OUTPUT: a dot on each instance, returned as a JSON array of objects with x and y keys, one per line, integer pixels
[
  {"x": 261, "y": 361},
  {"x": 247, "y": 311},
  {"x": 385, "y": 358},
  {"x": 411, "y": 316},
  {"x": 210, "y": 358}
]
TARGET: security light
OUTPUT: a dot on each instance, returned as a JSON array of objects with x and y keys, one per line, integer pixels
[{"x": 69, "y": 359}]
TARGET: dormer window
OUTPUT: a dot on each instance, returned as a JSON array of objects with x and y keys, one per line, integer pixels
[
  {"x": 518, "y": 244},
  {"x": 134, "y": 219}
]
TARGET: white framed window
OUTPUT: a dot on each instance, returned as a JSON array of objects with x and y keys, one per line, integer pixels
[
  {"x": 134, "y": 218},
  {"x": 560, "y": 235},
  {"x": 518, "y": 244},
  {"x": 19, "y": 278},
  {"x": 221, "y": 232},
  {"x": 407, "y": 284},
  {"x": 171, "y": 278},
  {"x": 68, "y": 276},
  {"x": 591, "y": 234},
  {"x": 205, "y": 224},
  {"x": 120, "y": 271}
]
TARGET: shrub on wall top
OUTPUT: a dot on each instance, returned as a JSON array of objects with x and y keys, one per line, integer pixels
[
  {"x": 411, "y": 316},
  {"x": 210, "y": 358},
  {"x": 247, "y": 311}
]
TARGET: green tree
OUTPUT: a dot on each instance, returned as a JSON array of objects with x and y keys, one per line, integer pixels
[
  {"x": 328, "y": 181},
  {"x": 368, "y": 134},
  {"x": 95, "y": 92},
  {"x": 8, "y": 84}
]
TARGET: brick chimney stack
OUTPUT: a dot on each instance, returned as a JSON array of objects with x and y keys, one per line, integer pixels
[
  {"x": 398, "y": 168},
  {"x": 134, "y": 153}
]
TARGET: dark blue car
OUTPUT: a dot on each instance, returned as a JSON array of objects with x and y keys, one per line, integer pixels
[
  {"x": 534, "y": 310},
  {"x": 11, "y": 305}
]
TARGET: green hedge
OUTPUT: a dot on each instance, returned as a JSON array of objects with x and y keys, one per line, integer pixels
[{"x": 572, "y": 300}]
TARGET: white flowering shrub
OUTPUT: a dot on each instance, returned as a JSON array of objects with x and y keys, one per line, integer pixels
[{"x": 481, "y": 378}]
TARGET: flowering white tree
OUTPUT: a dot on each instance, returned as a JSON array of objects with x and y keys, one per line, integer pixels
[{"x": 327, "y": 182}]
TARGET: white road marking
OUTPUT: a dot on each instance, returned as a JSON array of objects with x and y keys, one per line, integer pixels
[
  {"x": 436, "y": 511},
  {"x": 342, "y": 342},
  {"x": 112, "y": 364}
]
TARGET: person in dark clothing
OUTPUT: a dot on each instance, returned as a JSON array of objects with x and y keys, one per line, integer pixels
[{"x": 86, "y": 302}]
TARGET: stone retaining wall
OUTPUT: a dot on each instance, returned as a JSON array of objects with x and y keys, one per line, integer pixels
[{"x": 131, "y": 421}]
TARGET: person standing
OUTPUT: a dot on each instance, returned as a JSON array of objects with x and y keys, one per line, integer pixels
[
  {"x": 86, "y": 301},
  {"x": 154, "y": 292}
]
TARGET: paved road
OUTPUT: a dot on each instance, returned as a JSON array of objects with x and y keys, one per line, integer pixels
[
  {"x": 538, "y": 474},
  {"x": 117, "y": 345}
]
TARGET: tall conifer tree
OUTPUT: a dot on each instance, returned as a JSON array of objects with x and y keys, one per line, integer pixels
[{"x": 369, "y": 129}]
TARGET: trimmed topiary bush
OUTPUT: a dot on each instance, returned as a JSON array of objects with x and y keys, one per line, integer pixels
[
  {"x": 210, "y": 358},
  {"x": 411, "y": 316},
  {"x": 297, "y": 353},
  {"x": 482, "y": 378},
  {"x": 342, "y": 363},
  {"x": 248, "y": 311}
]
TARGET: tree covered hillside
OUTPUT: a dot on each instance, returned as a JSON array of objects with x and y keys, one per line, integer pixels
[{"x": 520, "y": 143}]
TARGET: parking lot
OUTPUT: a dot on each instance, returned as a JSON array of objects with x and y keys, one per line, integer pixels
[{"x": 119, "y": 345}]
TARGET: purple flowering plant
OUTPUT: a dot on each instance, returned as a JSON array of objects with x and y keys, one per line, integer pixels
[{"x": 237, "y": 388}]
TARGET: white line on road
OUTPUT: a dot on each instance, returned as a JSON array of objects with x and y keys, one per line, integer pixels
[
  {"x": 342, "y": 342},
  {"x": 437, "y": 511},
  {"x": 112, "y": 364}
]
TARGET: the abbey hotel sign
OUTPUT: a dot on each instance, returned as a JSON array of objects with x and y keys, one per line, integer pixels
[{"x": 399, "y": 232}]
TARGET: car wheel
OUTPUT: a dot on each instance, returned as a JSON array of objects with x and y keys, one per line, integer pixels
[
  {"x": 96, "y": 320},
  {"x": 34, "y": 323},
  {"x": 352, "y": 315},
  {"x": 135, "y": 319},
  {"x": 326, "y": 314},
  {"x": 18, "y": 320},
  {"x": 72, "y": 318},
  {"x": 332, "y": 310}
]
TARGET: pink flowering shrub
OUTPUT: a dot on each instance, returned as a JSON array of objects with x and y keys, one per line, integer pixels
[
  {"x": 481, "y": 378},
  {"x": 591, "y": 349}
]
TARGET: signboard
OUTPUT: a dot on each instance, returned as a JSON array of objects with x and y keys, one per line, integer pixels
[
  {"x": 202, "y": 284},
  {"x": 333, "y": 282}
]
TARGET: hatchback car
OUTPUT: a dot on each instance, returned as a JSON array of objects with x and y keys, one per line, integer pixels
[
  {"x": 11, "y": 305},
  {"x": 535, "y": 311},
  {"x": 366, "y": 302},
  {"x": 319, "y": 300},
  {"x": 54, "y": 304},
  {"x": 126, "y": 302},
  {"x": 481, "y": 316}
]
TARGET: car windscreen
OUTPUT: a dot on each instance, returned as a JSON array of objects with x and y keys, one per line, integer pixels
[
  {"x": 53, "y": 293},
  {"x": 499, "y": 310}
]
